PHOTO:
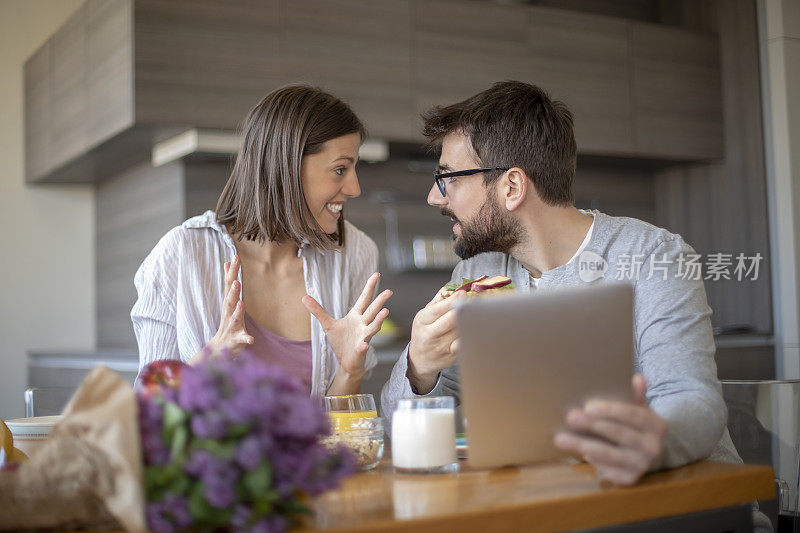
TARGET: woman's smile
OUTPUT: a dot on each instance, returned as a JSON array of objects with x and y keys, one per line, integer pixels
[{"x": 334, "y": 209}]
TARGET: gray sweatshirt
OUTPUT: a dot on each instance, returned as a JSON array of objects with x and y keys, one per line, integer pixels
[{"x": 673, "y": 343}]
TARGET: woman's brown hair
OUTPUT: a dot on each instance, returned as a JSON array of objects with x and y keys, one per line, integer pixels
[{"x": 263, "y": 199}]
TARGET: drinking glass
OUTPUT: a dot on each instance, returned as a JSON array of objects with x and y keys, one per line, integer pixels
[
  {"x": 355, "y": 423},
  {"x": 351, "y": 402},
  {"x": 345, "y": 409},
  {"x": 424, "y": 435}
]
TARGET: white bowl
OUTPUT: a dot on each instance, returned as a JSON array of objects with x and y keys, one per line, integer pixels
[{"x": 30, "y": 433}]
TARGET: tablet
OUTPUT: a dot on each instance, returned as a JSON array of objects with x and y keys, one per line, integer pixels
[{"x": 526, "y": 359}]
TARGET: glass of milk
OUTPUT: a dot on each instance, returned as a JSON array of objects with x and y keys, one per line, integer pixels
[{"x": 424, "y": 435}]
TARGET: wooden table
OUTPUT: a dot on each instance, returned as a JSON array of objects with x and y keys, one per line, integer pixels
[{"x": 547, "y": 497}]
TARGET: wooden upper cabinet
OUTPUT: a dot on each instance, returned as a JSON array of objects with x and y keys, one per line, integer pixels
[
  {"x": 585, "y": 61},
  {"x": 460, "y": 48},
  {"x": 204, "y": 63},
  {"x": 68, "y": 103},
  {"x": 122, "y": 74},
  {"x": 677, "y": 93},
  {"x": 108, "y": 78},
  {"x": 79, "y": 93},
  {"x": 359, "y": 51},
  {"x": 37, "y": 114}
]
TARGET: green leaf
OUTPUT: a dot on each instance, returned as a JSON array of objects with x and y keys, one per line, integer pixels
[
  {"x": 238, "y": 430},
  {"x": 198, "y": 507},
  {"x": 267, "y": 503},
  {"x": 262, "y": 507},
  {"x": 159, "y": 480},
  {"x": 296, "y": 507},
  {"x": 179, "y": 440},
  {"x": 223, "y": 450},
  {"x": 455, "y": 286},
  {"x": 203, "y": 513},
  {"x": 258, "y": 481},
  {"x": 180, "y": 485},
  {"x": 151, "y": 479},
  {"x": 173, "y": 415}
]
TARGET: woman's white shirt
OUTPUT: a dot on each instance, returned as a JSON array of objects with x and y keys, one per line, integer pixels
[{"x": 181, "y": 287}]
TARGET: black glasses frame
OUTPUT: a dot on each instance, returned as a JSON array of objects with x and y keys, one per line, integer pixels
[{"x": 439, "y": 177}]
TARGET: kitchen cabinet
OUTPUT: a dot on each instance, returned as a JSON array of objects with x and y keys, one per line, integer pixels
[
  {"x": 359, "y": 51},
  {"x": 122, "y": 74},
  {"x": 677, "y": 94},
  {"x": 460, "y": 48},
  {"x": 585, "y": 61},
  {"x": 78, "y": 91}
]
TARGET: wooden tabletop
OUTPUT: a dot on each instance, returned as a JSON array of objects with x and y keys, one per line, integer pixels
[{"x": 546, "y": 497}]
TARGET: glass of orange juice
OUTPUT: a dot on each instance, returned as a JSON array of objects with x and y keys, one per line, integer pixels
[{"x": 345, "y": 409}]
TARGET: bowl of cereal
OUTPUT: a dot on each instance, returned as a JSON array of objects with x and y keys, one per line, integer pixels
[{"x": 363, "y": 436}]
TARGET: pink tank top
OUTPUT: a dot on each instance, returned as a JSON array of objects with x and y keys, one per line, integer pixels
[{"x": 293, "y": 356}]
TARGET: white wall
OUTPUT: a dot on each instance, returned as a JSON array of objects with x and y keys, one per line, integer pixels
[
  {"x": 780, "y": 40},
  {"x": 47, "y": 236}
]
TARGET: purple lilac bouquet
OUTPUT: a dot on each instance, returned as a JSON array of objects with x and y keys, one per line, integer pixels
[{"x": 235, "y": 444}]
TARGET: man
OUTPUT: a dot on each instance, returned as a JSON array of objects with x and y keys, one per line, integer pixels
[{"x": 507, "y": 164}]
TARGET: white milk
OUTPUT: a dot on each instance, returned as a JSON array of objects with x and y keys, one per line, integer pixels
[{"x": 423, "y": 438}]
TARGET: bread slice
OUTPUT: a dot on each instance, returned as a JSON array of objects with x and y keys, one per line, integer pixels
[{"x": 479, "y": 286}]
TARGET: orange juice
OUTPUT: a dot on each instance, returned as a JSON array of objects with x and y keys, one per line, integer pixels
[{"x": 343, "y": 420}]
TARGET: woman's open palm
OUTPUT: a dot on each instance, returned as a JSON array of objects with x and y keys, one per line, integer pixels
[
  {"x": 232, "y": 335},
  {"x": 349, "y": 336}
]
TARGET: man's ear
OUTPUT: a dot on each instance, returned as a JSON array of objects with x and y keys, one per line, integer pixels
[{"x": 515, "y": 188}]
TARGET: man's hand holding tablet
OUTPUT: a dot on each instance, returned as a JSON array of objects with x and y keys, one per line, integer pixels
[{"x": 628, "y": 439}]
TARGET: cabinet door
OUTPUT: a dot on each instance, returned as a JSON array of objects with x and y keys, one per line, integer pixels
[
  {"x": 360, "y": 52},
  {"x": 108, "y": 82},
  {"x": 67, "y": 103},
  {"x": 37, "y": 114},
  {"x": 584, "y": 61},
  {"x": 204, "y": 63},
  {"x": 677, "y": 95},
  {"x": 461, "y": 48}
]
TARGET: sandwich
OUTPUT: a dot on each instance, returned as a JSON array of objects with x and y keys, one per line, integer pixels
[{"x": 479, "y": 286}]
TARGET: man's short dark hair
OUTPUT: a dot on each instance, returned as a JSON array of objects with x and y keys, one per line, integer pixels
[{"x": 515, "y": 124}]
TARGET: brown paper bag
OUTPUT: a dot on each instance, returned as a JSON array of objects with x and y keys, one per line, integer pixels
[{"x": 89, "y": 472}]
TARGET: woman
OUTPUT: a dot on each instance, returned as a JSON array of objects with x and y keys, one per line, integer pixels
[{"x": 276, "y": 249}]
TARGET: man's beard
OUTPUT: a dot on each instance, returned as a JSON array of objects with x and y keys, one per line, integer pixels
[{"x": 491, "y": 230}]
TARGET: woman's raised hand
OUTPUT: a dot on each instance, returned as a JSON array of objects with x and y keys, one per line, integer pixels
[
  {"x": 231, "y": 334},
  {"x": 349, "y": 336}
]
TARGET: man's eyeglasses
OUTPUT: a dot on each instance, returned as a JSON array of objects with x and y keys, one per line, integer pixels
[{"x": 439, "y": 177}]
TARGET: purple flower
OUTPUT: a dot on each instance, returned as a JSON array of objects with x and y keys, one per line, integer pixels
[
  {"x": 220, "y": 485},
  {"x": 168, "y": 516},
  {"x": 304, "y": 420},
  {"x": 241, "y": 516},
  {"x": 319, "y": 470},
  {"x": 151, "y": 414},
  {"x": 239, "y": 414},
  {"x": 200, "y": 462},
  {"x": 270, "y": 524},
  {"x": 157, "y": 520},
  {"x": 179, "y": 510},
  {"x": 197, "y": 391},
  {"x": 154, "y": 450},
  {"x": 249, "y": 452},
  {"x": 220, "y": 494},
  {"x": 209, "y": 424}
]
